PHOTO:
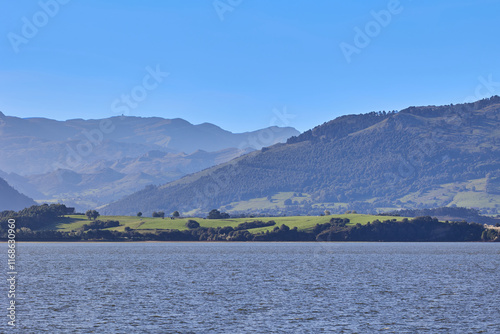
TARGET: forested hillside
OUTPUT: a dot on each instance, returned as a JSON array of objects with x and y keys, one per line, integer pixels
[
  {"x": 11, "y": 199},
  {"x": 418, "y": 157}
]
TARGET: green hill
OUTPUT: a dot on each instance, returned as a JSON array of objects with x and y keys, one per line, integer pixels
[
  {"x": 51, "y": 223},
  {"x": 419, "y": 157},
  {"x": 11, "y": 199},
  {"x": 349, "y": 227},
  {"x": 147, "y": 224}
]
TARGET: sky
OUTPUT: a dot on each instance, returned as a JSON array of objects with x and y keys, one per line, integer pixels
[{"x": 244, "y": 64}]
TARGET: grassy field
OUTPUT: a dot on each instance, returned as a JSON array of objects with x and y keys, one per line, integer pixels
[
  {"x": 147, "y": 224},
  {"x": 273, "y": 202},
  {"x": 470, "y": 194}
]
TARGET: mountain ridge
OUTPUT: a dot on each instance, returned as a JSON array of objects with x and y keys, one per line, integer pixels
[
  {"x": 369, "y": 161},
  {"x": 38, "y": 155},
  {"x": 141, "y": 134}
]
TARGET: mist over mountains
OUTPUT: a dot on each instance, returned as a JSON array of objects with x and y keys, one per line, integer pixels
[
  {"x": 86, "y": 163},
  {"x": 419, "y": 157}
]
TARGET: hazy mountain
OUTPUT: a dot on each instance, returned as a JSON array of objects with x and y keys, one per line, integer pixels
[
  {"x": 418, "y": 157},
  {"x": 11, "y": 199},
  {"x": 40, "y": 145},
  {"x": 87, "y": 163},
  {"x": 106, "y": 181}
]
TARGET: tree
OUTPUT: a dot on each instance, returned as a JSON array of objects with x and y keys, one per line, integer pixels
[
  {"x": 139, "y": 214},
  {"x": 216, "y": 214},
  {"x": 159, "y": 214},
  {"x": 327, "y": 213},
  {"x": 60, "y": 209},
  {"x": 284, "y": 228},
  {"x": 339, "y": 221},
  {"x": 92, "y": 214},
  {"x": 288, "y": 201},
  {"x": 192, "y": 224},
  {"x": 176, "y": 214}
]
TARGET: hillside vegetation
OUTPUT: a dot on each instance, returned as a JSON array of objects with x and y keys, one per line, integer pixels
[
  {"x": 418, "y": 157},
  {"x": 52, "y": 223},
  {"x": 147, "y": 224},
  {"x": 333, "y": 229},
  {"x": 11, "y": 199}
]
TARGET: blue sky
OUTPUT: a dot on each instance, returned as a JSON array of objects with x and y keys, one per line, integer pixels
[{"x": 239, "y": 63}]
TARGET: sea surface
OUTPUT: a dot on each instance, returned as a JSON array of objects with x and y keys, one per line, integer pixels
[{"x": 255, "y": 288}]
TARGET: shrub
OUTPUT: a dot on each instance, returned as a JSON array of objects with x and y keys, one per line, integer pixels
[{"x": 192, "y": 224}]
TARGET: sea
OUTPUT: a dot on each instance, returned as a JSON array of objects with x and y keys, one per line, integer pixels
[{"x": 232, "y": 287}]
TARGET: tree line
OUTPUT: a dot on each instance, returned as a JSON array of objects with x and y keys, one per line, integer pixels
[
  {"x": 34, "y": 217},
  {"x": 420, "y": 229}
]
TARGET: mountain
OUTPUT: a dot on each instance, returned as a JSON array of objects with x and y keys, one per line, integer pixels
[
  {"x": 106, "y": 181},
  {"x": 419, "y": 157},
  {"x": 71, "y": 144},
  {"x": 87, "y": 163},
  {"x": 11, "y": 199}
]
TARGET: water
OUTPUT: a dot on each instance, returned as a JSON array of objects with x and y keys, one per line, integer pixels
[{"x": 256, "y": 288}]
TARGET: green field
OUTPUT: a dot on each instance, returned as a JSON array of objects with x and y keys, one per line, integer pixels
[
  {"x": 470, "y": 194},
  {"x": 146, "y": 224}
]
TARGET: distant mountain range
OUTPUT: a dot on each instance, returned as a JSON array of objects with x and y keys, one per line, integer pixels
[
  {"x": 11, "y": 199},
  {"x": 418, "y": 157},
  {"x": 86, "y": 163}
]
